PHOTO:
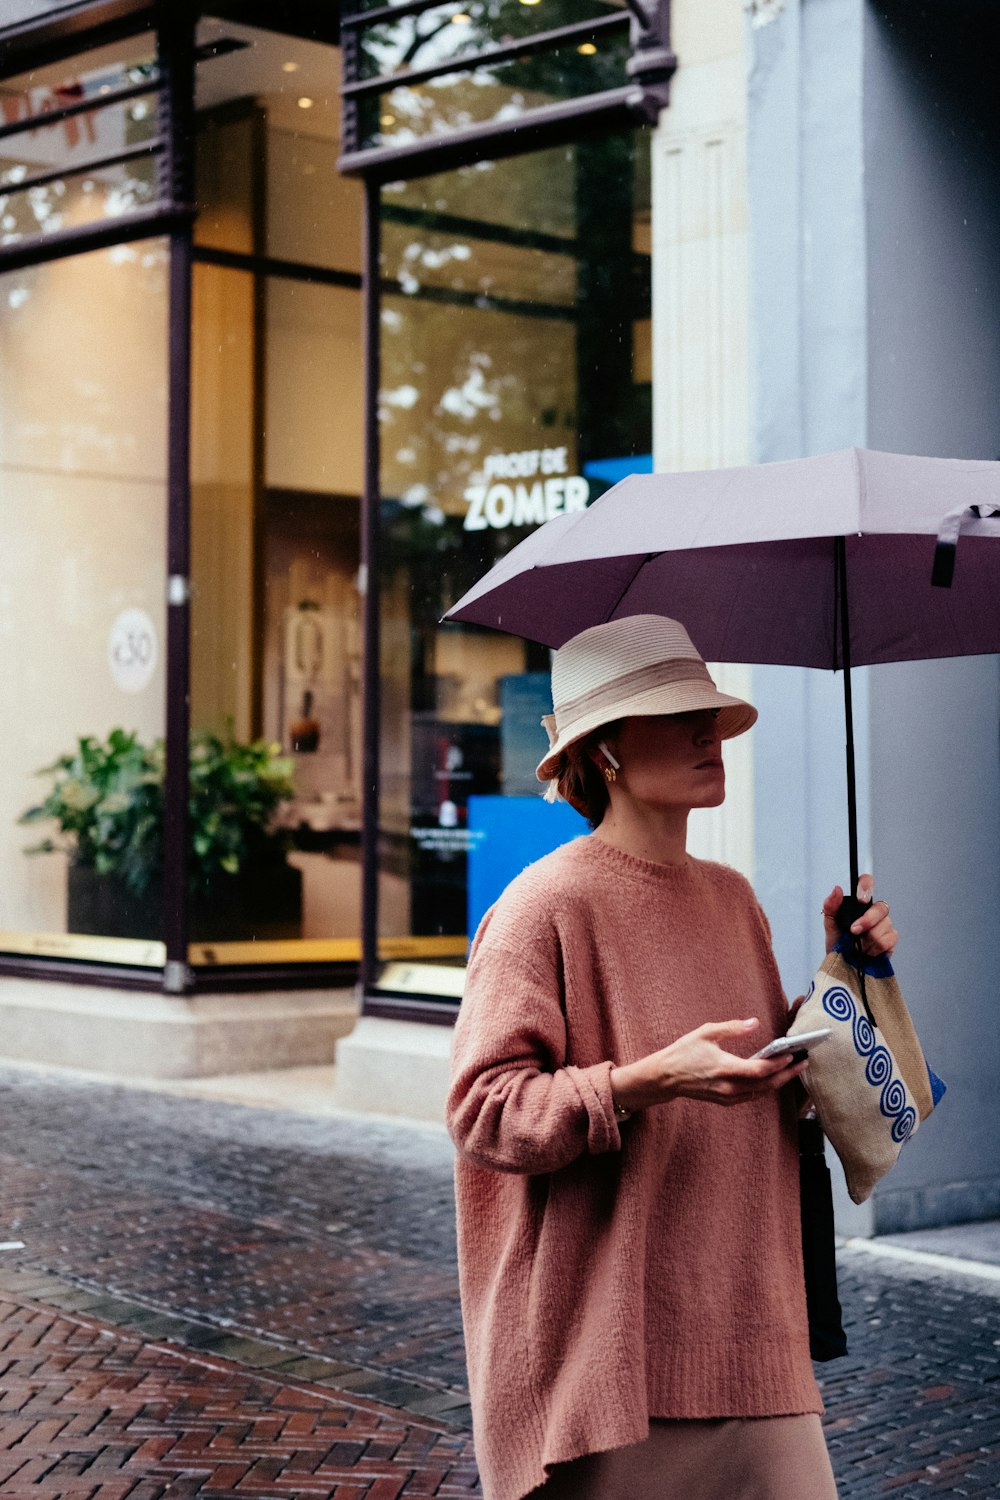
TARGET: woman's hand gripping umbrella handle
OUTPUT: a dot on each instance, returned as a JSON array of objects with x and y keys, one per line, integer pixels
[{"x": 866, "y": 920}]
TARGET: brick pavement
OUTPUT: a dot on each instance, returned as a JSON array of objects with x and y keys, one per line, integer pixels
[
  {"x": 336, "y": 1236},
  {"x": 89, "y": 1412},
  {"x": 268, "y": 1252}
]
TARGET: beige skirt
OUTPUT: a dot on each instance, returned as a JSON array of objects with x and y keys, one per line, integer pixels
[{"x": 763, "y": 1458}]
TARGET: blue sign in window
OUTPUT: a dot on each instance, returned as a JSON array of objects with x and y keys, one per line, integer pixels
[{"x": 508, "y": 834}]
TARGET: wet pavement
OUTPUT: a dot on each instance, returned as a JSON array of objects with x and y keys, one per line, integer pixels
[{"x": 216, "y": 1300}]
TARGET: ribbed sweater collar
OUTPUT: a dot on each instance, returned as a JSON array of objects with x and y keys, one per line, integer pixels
[{"x": 631, "y": 866}]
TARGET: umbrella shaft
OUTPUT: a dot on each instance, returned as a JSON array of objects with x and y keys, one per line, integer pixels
[
  {"x": 844, "y": 622},
  {"x": 852, "y": 800}
]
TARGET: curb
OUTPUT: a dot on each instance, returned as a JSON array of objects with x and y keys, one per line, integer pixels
[
  {"x": 391, "y": 1394},
  {"x": 950, "y": 1264}
]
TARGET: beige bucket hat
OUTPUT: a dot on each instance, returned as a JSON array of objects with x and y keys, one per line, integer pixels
[{"x": 642, "y": 664}]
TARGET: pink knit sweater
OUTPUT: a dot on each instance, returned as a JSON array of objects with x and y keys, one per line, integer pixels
[{"x": 612, "y": 1275}]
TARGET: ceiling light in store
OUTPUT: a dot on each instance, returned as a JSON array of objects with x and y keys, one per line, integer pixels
[
  {"x": 289, "y": 67},
  {"x": 530, "y": 2},
  {"x": 387, "y": 119},
  {"x": 586, "y": 49},
  {"x": 461, "y": 19},
  {"x": 305, "y": 102}
]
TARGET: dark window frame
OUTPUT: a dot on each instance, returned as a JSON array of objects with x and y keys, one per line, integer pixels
[
  {"x": 650, "y": 68},
  {"x": 652, "y": 65},
  {"x": 76, "y": 29},
  {"x": 62, "y": 36}
]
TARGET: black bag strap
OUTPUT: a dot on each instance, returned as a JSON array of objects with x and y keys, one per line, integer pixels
[{"x": 827, "y": 1339}]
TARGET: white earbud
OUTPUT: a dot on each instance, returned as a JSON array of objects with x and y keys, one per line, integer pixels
[{"x": 602, "y": 746}]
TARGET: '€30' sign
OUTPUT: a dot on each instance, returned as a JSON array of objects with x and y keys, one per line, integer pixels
[{"x": 132, "y": 650}]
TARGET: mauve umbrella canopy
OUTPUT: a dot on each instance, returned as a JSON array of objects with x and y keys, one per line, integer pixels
[{"x": 746, "y": 559}]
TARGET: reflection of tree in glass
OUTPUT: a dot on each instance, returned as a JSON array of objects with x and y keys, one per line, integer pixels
[
  {"x": 474, "y": 396},
  {"x": 522, "y": 341},
  {"x": 448, "y": 34},
  {"x": 436, "y": 38},
  {"x": 461, "y": 381}
]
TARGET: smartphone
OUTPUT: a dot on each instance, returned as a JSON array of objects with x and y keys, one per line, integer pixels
[{"x": 803, "y": 1043}]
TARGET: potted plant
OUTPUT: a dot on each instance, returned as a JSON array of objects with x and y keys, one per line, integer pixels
[{"x": 107, "y": 800}]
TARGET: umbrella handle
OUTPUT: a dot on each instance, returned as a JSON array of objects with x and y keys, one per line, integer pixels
[
  {"x": 848, "y": 912},
  {"x": 949, "y": 532}
]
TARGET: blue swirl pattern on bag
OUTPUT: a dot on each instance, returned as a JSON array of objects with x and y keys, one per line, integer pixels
[
  {"x": 839, "y": 1003},
  {"x": 893, "y": 1100},
  {"x": 879, "y": 1069},
  {"x": 864, "y": 1035}
]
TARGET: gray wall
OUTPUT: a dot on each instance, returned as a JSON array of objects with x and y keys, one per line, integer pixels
[
  {"x": 810, "y": 374},
  {"x": 808, "y": 340},
  {"x": 932, "y": 175},
  {"x": 875, "y": 252}
]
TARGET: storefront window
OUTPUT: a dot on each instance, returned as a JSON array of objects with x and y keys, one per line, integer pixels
[
  {"x": 502, "y": 91},
  {"x": 515, "y": 387},
  {"x": 269, "y": 138},
  {"x": 90, "y": 163},
  {"x": 276, "y": 481},
  {"x": 82, "y": 615},
  {"x": 405, "y": 52}
]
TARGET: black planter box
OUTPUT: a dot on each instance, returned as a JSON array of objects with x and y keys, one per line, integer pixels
[{"x": 263, "y": 905}]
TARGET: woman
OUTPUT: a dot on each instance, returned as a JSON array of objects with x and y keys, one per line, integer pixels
[{"x": 629, "y": 1244}]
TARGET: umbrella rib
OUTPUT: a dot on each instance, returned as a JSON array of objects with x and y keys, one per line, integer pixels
[{"x": 611, "y": 612}]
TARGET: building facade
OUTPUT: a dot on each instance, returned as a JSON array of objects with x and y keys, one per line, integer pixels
[{"x": 304, "y": 322}]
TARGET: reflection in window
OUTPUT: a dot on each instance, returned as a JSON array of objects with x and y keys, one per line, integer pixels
[
  {"x": 455, "y": 31},
  {"x": 409, "y": 112},
  {"x": 72, "y": 172},
  {"x": 515, "y": 321}
]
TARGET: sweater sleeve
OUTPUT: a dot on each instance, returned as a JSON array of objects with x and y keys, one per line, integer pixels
[{"x": 515, "y": 1104}]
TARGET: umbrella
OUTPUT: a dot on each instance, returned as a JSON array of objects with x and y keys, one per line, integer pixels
[{"x": 845, "y": 559}]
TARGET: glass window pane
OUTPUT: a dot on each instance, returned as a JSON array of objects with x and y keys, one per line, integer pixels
[
  {"x": 269, "y": 139},
  {"x": 276, "y": 481},
  {"x": 410, "y": 112},
  {"x": 76, "y": 193},
  {"x": 534, "y": 267},
  {"x": 276, "y": 632},
  {"x": 82, "y": 611},
  {"x": 515, "y": 386}
]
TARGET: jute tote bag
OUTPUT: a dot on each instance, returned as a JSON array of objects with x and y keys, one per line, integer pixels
[{"x": 870, "y": 1082}]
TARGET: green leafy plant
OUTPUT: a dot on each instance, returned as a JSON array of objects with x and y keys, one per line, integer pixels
[
  {"x": 107, "y": 798},
  {"x": 235, "y": 791}
]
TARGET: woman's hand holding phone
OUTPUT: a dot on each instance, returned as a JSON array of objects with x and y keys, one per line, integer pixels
[
  {"x": 799, "y": 1045},
  {"x": 697, "y": 1066}
]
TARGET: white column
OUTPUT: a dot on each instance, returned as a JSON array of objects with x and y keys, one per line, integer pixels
[{"x": 701, "y": 317}]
